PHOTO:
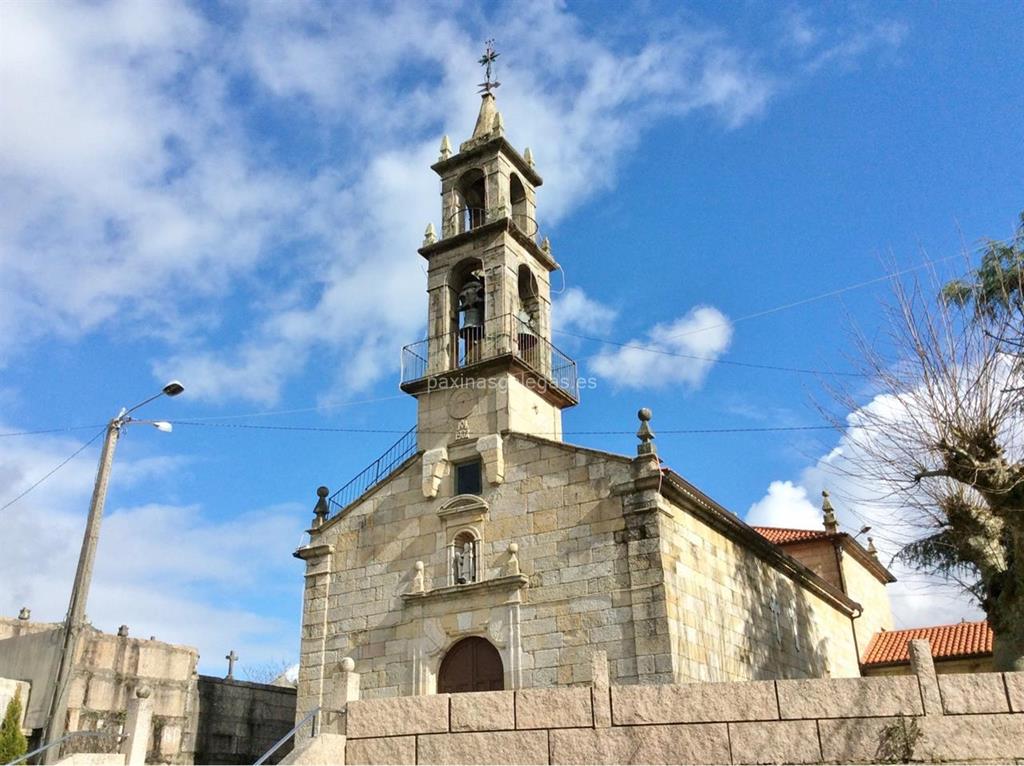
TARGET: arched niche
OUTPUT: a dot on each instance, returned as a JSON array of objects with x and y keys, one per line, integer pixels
[
  {"x": 471, "y": 191},
  {"x": 468, "y": 301},
  {"x": 520, "y": 205},
  {"x": 464, "y": 557},
  {"x": 471, "y": 665}
]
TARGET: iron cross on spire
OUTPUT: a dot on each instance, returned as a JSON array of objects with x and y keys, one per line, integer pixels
[{"x": 486, "y": 61}]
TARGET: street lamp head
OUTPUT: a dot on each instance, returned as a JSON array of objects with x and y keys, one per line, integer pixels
[
  {"x": 163, "y": 425},
  {"x": 173, "y": 388}
]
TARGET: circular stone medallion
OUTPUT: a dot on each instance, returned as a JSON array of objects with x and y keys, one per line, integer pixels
[{"x": 460, "y": 403}]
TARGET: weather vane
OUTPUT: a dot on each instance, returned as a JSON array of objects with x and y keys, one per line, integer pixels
[{"x": 486, "y": 61}]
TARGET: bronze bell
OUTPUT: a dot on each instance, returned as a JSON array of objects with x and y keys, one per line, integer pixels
[
  {"x": 526, "y": 335},
  {"x": 471, "y": 305}
]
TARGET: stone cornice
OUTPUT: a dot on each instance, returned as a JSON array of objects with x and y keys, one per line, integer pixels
[
  {"x": 464, "y": 506},
  {"x": 497, "y": 145},
  {"x": 311, "y": 551},
  {"x": 491, "y": 227},
  {"x": 509, "y": 583}
]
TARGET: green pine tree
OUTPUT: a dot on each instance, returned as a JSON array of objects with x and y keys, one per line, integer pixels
[{"x": 12, "y": 742}]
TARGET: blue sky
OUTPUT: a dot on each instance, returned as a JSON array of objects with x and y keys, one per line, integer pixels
[{"x": 233, "y": 195}]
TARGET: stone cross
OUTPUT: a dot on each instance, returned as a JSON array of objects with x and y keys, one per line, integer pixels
[{"x": 231, "y": 657}]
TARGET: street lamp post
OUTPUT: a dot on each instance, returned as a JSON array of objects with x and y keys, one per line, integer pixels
[{"x": 75, "y": 618}]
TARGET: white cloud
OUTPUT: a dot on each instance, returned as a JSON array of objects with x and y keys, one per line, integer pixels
[
  {"x": 131, "y": 162},
  {"x": 918, "y": 599},
  {"x": 784, "y": 505},
  {"x": 168, "y": 571},
  {"x": 679, "y": 352},
  {"x": 575, "y": 311}
]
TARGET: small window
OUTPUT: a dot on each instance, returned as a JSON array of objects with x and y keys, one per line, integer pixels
[{"x": 468, "y": 480}]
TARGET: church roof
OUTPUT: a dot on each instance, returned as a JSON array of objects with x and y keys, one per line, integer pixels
[
  {"x": 960, "y": 640},
  {"x": 782, "y": 535}
]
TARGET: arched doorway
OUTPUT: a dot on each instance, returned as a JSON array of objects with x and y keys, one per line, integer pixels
[{"x": 471, "y": 665}]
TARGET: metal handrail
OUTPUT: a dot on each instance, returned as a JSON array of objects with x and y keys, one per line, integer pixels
[
  {"x": 67, "y": 736},
  {"x": 263, "y": 758},
  {"x": 379, "y": 469},
  {"x": 465, "y": 219},
  {"x": 501, "y": 335}
]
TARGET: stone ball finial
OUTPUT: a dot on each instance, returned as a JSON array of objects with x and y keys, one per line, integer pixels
[
  {"x": 348, "y": 664},
  {"x": 419, "y": 566},
  {"x": 644, "y": 433},
  {"x": 143, "y": 692},
  {"x": 25, "y": 613},
  {"x": 322, "y": 510},
  {"x": 513, "y": 548}
]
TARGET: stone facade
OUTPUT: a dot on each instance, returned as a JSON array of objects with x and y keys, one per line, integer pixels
[
  {"x": 557, "y": 551},
  {"x": 677, "y": 592}
]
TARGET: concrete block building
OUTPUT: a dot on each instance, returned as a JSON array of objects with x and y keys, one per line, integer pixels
[{"x": 482, "y": 552}]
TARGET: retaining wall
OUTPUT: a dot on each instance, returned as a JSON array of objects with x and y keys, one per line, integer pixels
[{"x": 963, "y": 718}]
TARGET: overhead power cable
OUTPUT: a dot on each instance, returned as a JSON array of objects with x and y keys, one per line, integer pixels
[
  {"x": 54, "y": 470},
  {"x": 66, "y": 429},
  {"x": 398, "y": 431},
  {"x": 821, "y": 296},
  {"x": 715, "y": 360},
  {"x": 758, "y": 314}
]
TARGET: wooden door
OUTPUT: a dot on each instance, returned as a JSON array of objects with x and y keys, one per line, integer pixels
[{"x": 471, "y": 665}]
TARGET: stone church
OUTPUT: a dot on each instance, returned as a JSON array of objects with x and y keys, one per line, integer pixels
[{"x": 482, "y": 552}]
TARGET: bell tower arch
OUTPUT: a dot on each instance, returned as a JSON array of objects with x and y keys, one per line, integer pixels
[{"x": 487, "y": 365}]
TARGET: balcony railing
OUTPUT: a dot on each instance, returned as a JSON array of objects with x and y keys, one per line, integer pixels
[
  {"x": 500, "y": 336},
  {"x": 379, "y": 469},
  {"x": 468, "y": 218}
]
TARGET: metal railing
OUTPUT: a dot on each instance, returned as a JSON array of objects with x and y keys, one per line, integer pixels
[
  {"x": 468, "y": 218},
  {"x": 314, "y": 732},
  {"x": 379, "y": 469},
  {"x": 69, "y": 735},
  {"x": 499, "y": 336},
  {"x": 525, "y": 224}
]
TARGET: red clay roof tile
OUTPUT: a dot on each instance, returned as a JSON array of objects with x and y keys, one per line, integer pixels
[
  {"x": 962, "y": 639},
  {"x": 781, "y": 536}
]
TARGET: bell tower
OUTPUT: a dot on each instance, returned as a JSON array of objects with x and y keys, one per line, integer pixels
[{"x": 487, "y": 364}]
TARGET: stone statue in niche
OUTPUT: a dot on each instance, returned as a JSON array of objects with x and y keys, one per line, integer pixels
[{"x": 465, "y": 564}]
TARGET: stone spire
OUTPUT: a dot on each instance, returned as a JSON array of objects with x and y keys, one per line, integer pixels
[
  {"x": 831, "y": 526},
  {"x": 486, "y": 119}
]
